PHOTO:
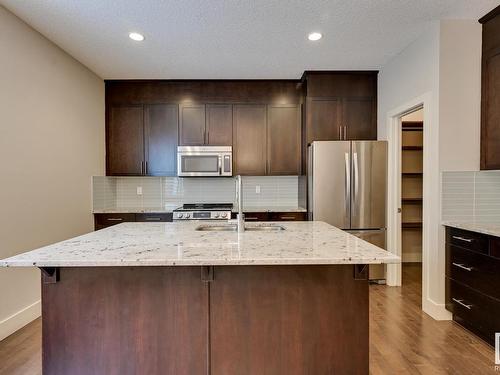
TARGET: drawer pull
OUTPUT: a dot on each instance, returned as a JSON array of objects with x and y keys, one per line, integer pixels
[
  {"x": 287, "y": 217},
  {"x": 251, "y": 218},
  {"x": 462, "y": 266},
  {"x": 153, "y": 218},
  {"x": 469, "y": 240},
  {"x": 114, "y": 219},
  {"x": 460, "y": 302}
]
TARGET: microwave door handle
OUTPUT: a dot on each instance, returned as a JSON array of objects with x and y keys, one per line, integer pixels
[{"x": 220, "y": 164}]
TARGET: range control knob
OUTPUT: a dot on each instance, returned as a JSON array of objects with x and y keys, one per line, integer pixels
[
  {"x": 216, "y": 215},
  {"x": 224, "y": 215},
  {"x": 188, "y": 216},
  {"x": 180, "y": 216}
]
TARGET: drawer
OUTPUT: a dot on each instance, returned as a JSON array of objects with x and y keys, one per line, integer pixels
[
  {"x": 106, "y": 220},
  {"x": 473, "y": 310},
  {"x": 253, "y": 216},
  {"x": 468, "y": 240},
  {"x": 287, "y": 216},
  {"x": 478, "y": 271},
  {"x": 153, "y": 217}
]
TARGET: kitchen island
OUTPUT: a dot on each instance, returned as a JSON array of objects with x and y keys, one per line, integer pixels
[{"x": 166, "y": 298}]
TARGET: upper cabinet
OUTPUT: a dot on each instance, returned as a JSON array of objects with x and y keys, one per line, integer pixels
[
  {"x": 283, "y": 140},
  {"x": 160, "y": 139},
  {"x": 125, "y": 141},
  {"x": 490, "y": 91},
  {"x": 206, "y": 124},
  {"x": 249, "y": 139},
  {"x": 340, "y": 106},
  {"x": 141, "y": 140}
]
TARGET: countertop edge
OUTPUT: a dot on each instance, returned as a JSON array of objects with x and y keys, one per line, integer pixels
[{"x": 482, "y": 228}]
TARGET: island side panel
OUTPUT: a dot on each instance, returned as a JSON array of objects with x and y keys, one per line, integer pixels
[
  {"x": 288, "y": 320},
  {"x": 125, "y": 320}
]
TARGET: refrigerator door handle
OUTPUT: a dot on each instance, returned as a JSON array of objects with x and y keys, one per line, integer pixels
[
  {"x": 347, "y": 179},
  {"x": 356, "y": 178}
]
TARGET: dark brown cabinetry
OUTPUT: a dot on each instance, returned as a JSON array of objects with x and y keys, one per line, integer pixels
[
  {"x": 283, "y": 140},
  {"x": 141, "y": 140},
  {"x": 102, "y": 221},
  {"x": 490, "y": 91},
  {"x": 160, "y": 139},
  {"x": 473, "y": 281},
  {"x": 249, "y": 139},
  {"x": 273, "y": 216},
  {"x": 219, "y": 125},
  {"x": 340, "y": 106},
  {"x": 125, "y": 141},
  {"x": 192, "y": 125}
]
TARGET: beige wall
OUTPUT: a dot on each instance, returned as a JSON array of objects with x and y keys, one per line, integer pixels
[
  {"x": 51, "y": 143},
  {"x": 443, "y": 65}
]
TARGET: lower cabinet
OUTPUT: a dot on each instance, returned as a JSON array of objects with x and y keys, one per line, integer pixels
[
  {"x": 273, "y": 216},
  {"x": 102, "y": 221},
  {"x": 473, "y": 281}
]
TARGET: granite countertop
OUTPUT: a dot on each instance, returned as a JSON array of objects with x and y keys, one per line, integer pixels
[
  {"x": 485, "y": 228},
  {"x": 179, "y": 244},
  {"x": 166, "y": 210}
]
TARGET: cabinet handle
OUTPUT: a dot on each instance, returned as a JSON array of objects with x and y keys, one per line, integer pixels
[
  {"x": 251, "y": 218},
  {"x": 287, "y": 217},
  {"x": 340, "y": 132},
  {"x": 345, "y": 132},
  {"x": 460, "y": 302},
  {"x": 146, "y": 167},
  {"x": 469, "y": 240},
  {"x": 114, "y": 219},
  {"x": 142, "y": 167},
  {"x": 153, "y": 218},
  {"x": 462, "y": 266}
]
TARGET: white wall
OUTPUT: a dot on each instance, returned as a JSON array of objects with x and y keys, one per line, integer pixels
[
  {"x": 443, "y": 66},
  {"x": 51, "y": 143}
]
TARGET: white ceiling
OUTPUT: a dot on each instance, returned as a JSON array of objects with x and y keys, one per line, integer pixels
[{"x": 235, "y": 38}]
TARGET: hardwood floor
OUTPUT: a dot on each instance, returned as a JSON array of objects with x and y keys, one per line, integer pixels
[{"x": 403, "y": 339}]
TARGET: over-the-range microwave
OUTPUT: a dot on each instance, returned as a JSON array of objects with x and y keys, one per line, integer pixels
[{"x": 207, "y": 161}]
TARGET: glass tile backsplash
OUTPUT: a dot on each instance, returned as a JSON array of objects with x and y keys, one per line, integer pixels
[
  {"x": 168, "y": 193},
  {"x": 471, "y": 196}
]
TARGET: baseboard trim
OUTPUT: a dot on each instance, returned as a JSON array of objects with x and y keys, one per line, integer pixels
[
  {"x": 437, "y": 311},
  {"x": 18, "y": 320}
]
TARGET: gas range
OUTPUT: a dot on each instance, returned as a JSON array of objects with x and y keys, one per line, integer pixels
[{"x": 203, "y": 211}]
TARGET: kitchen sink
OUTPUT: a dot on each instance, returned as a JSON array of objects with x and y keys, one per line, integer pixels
[{"x": 234, "y": 228}]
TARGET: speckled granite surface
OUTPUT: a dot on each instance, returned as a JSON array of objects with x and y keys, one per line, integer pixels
[
  {"x": 491, "y": 229},
  {"x": 177, "y": 244}
]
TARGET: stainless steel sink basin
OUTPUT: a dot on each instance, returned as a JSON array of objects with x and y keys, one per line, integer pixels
[{"x": 234, "y": 228}]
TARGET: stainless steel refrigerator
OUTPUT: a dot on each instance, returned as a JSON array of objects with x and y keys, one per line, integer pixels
[{"x": 347, "y": 188}]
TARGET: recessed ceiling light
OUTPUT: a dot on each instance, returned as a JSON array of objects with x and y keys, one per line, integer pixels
[
  {"x": 136, "y": 36},
  {"x": 314, "y": 36}
]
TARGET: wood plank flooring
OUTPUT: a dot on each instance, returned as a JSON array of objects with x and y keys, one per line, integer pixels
[{"x": 403, "y": 339}]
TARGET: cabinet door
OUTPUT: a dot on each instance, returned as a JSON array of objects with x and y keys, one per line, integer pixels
[
  {"x": 125, "y": 141},
  {"x": 249, "y": 139},
  {"x": 161, "y": 123},
  {"x": 323, "y": 119},
  {"x": 359, "y": 119},
  {"x": 490, "y": 112},
  {"x": 219, "y": 125},
  {"x": 283, "y": 140},
  {"x": 192, "y": 125}
]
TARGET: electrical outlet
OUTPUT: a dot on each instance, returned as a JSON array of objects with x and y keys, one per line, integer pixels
[
  {"x": 257, "y": 189},
  {"x": 139, "y": 190}
]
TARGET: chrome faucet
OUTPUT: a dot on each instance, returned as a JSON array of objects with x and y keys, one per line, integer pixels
[{"x": 240, "y": 217}]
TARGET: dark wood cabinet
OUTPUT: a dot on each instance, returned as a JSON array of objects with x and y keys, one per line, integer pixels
[
  {"x": 490, "y": 91},
  {"x": 359, "y": 119},
  {"x": 160, "y": 133},
  {"x": 192, "y": 125},
  {"x": 102, "y": 221},
  {"x": 283, "y": 140},
  {"x": 340, "y": 106},
  {"x": 249, "y": 139},
  {"x": 273, "y": 216},
  {"x": 125, "y": 141},
  {"x": 473, "y": 281},
  {"x": 219, "y": 125},
  {"x": 323, "y": 119}
]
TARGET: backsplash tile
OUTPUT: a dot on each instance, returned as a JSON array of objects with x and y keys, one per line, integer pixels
[
  {"x": 471, "y": 196},
  {"x": 171, "y": 192}
]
